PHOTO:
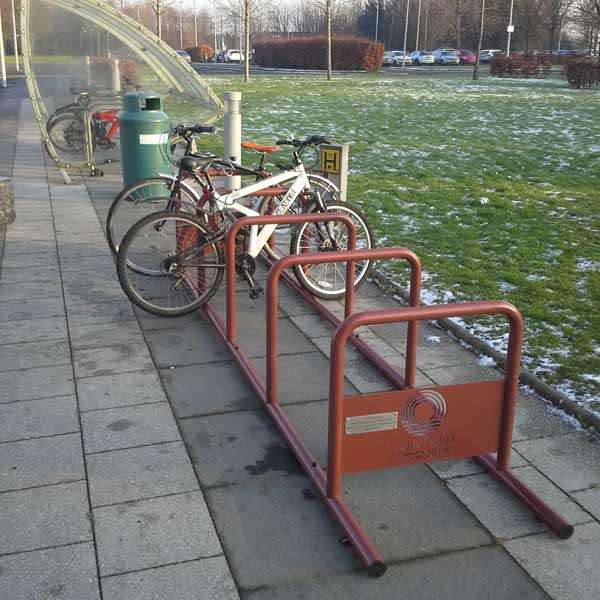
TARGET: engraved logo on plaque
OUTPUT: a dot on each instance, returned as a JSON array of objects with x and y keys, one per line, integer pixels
[{"x": 417, "y": 425}]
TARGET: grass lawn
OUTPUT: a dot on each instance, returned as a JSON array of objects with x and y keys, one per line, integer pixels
[{"x": 495, "y": 184}]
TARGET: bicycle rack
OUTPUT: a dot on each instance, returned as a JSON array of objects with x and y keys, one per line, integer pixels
[{"x": 390, "y": 429}]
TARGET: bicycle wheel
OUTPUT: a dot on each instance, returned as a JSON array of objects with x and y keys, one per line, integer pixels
[
  {"x": 67, "y": 134},
  {"x": 183, "y": 265},
  {"x": 279, "y": 243},
  {"x": 142, "y": 198},
  {"x": 329, "y": 280}
]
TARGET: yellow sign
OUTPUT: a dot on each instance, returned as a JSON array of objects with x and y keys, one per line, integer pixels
[{"x": 330, "y": 160}]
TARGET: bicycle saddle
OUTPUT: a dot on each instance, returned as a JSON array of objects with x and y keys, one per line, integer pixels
[
  {"x": 259, "y": 147},
  {"x": 191, "y": 163}
]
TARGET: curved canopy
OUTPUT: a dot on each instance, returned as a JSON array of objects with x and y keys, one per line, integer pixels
[{"x": 84, "y": 54}]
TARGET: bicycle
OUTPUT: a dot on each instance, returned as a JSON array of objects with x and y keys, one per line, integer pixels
[
  {"x": 171, "y": 262},
  {"x": 173, "y": 192}
]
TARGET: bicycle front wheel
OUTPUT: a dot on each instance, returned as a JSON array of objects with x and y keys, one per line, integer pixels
[
  {"x": 67, "y": 133},
  {"x": 328, "y": 280},
  {"x": 181, "y": 264},
  {"x": 143, "y": 198}
]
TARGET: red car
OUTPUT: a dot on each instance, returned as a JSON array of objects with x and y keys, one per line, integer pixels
[{"x": 466, "y": 57}]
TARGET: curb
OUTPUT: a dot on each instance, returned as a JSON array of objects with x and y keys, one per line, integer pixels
[{"x": 546, "y": 391}]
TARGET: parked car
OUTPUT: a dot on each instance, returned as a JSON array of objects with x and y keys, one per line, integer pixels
[
  {"x": 422, "y": 57},
  {"x": 221, "y": 56},
  {"x": 395, "y": 58},
  {"x": 184, "y": 55},
  {"x": 234, "y": 55},
  {"x": 446, "y": 57},
  {"x": 466, "y": 57},
  {"x": 487, "y": 55}
]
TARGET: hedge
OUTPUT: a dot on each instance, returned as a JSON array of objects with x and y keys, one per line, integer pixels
[
  {"x": 520, "y": 65},
  {"x": 101, "y": 71},
  {"x": 201, "y": 53},
  {"x": 582, "y": 73},
  {"x": 348, "y": 53}
]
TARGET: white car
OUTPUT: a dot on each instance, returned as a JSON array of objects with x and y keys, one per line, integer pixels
[
  {"x": 487, "y": 55},
  {"x": 184, "y": 54},
  {"x": 234, "y": 56},
  {"x": 422, "y": 57},
  {"x": 395, "y": 58}
]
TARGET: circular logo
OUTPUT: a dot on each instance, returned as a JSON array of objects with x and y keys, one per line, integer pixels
[{"x": 419, "y": 427}]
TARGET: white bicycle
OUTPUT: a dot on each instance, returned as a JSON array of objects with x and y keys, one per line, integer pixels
[{"x": 171, "y": 262}]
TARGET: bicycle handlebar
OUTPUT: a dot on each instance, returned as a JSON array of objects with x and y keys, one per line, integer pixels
[
  {"x": 191, "y": 129},
  {"x": 313, "y": 140}
]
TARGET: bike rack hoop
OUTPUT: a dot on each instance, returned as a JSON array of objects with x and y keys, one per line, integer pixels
[{"x": 273, "y": 220}]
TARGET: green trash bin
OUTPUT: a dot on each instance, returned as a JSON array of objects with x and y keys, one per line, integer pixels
[{"x": 144, "y": 134}]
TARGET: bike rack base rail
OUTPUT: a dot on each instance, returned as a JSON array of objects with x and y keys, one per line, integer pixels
[{"x": 364, "y": 429}]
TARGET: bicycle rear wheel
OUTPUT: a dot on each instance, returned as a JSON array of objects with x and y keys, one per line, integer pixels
[
  {"x": 143, "y": 198},
  {"x": 67, "y": 133},
  {"x": 181, "y": 265},
  {"x": 328, "y": 280}
]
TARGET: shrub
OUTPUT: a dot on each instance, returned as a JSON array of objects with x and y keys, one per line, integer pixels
[
  {"x": 582, "y": 73},
  {"x": 520, "y": 65},
  {"x": 201, "y": 53},
  {"x": 348, "y": 53},
  {"x": 101, "y": 71}
]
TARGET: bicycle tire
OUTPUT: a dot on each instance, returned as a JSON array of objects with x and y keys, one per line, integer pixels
[
  {"x": 276, "y": 249},
  {"x": 144, "y": 290},
  {"x": 119, "y": 221},
  {"x": 58, "y": 142},
  {"x": 323, "y": 288}
]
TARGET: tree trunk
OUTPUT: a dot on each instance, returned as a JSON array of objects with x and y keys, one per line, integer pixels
[
  {"x": 158, "y": 23},
  {"x": 247, "y": 40},
  {"x": 480, "y": 42},
  {"x": 328, "y": 27}
]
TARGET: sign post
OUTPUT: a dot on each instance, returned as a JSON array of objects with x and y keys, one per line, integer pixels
[{"x": 334, "y": 165}]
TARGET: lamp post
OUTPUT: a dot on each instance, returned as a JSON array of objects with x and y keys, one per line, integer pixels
[
  {"x": 14, "y": 24},
  {"x": 377, "y": 22},
  {"x": 510, "y": 28},
  {"x": 195, "y": 26},
  {"x": 418, "y": 26},
  {"x": 405, "y": 34},
  {"x": 181, "y": 25},
  {"x": 215, "y": 29},
  {"x": 2, "y": 57}
]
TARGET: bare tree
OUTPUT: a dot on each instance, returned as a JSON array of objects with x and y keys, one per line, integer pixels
[
  {"x": 480, "y": 43},
  {"x": 159, "y": 8}
]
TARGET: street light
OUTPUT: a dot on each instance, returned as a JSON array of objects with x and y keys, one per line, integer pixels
[
  {"x": 418, "y": 27},
  {"x": 405, "y": 34},
  {"x": 195, "y": 25},
  {"x": 181, "y": 25},
  {"x": 510, "y": 29},
  {"x": 2, "y": 58},
  {"x": 377, "y": 22},
  {"x": 14, "y": 23}
]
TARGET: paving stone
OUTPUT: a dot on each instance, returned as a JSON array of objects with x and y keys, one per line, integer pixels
[
  {"x": 502, "y": 514},
  {"x": 206, "y": 579},
  {"x": 100, "y": 335},
  {"x": 24, "y": 261},
  {"x": 154, "y": 532},
  {"x": 138, "y": 473},
  {"x": 195, "y": 344},
  {"x": 92, "y": 362},
  {"x": 43, "y": 517},
  {"x": 29, "y": 290},
  {"x": 572, "y": 461},
  {"x": 17, "y": 248},
  {"x": 367, "y": 379},
  {"x": 42, "y": 461},
  {"x": 123, "y": 389},
  {"x": 31, "y": 384},
  {"x": 302, "y": 377},
  {"x": 312, "y": 325},
  {"x": 68, "y": 572},
  {"x": 590, "y": 500},
  {"x": 461, "y": 373},
  {"x": 293, "y": 305},
  {"x": 99, "y": 312},
  {"x": 38, "y": 418},
  {"x": 534, "y": 420},
  {"x": 274, "y": 531},
  {"x": 33, "y": 330},
  {"x": 150, "y": 322},
  {"x": 460, "y": 468},
  {"x": 235, "y": 447},
  {"x": 566, "y": 569},
  {"x": 34, "y": 354},
  {"x": 88, "y": 263},
  {"x": 31, "y": 309},
  {"x": 29, "y": 274},
  {"x": 81, "y": 287},
  {"x": 127, "y": 427},
  {"x": 424, "y": 579},
  {"x": 207, "y": 389},
  {"x": 98, "y": 247}
]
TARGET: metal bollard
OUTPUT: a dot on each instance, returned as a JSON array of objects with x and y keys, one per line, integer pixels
[
  {"x": 233, "y": 134},
  {"x": 116, "y": 75}
]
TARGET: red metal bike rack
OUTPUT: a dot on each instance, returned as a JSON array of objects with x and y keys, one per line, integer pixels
[{"x": 390, "y": 429}]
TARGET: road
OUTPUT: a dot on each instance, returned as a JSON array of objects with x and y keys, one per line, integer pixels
[{"x": 424, "y": 71}]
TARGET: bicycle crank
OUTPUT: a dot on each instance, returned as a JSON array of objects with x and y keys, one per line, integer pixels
[{"x": 245, "y": 267}]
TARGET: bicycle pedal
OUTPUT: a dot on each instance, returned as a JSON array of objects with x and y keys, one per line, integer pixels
[{"x": 256, "y": 292}]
